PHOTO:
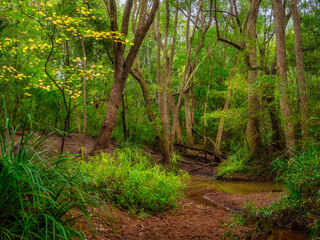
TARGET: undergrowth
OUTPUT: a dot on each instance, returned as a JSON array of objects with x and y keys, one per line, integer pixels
[
  {"x": 133, "y": 182},
  {"x": 236, "y": 163},
  {"x": 39, "y": 193},
  {"x": 243, "y": 162},
  {"x": 300, "y": 176}
]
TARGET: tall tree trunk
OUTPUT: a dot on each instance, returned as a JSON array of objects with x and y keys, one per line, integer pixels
[
  {"x": 286, "y": 110},
  {"x": 84, "y": 97},
  {"x": 190, "y": 63},
  {"x": 226, "y": 105},
  {"x": 253, "y": 128},
  {"x": 122, "y": 65},
  {"x": 303, "y": 103},
  {"x": 187, "y": 107},
  {"x": 205, "y": 119},
  {"x": 137, "y": 74},
  {"x": 178, "y": 127}
]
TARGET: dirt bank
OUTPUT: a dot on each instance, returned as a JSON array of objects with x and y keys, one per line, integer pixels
[
  {"x": 235, "y": 202},
  {"x": 193, "y": 221}
]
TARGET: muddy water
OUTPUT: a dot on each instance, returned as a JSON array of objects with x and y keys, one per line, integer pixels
[{"x": 198, "y": 186}]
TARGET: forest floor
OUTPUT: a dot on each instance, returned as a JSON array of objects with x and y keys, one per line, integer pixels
[{"x": 194, "y": 220}]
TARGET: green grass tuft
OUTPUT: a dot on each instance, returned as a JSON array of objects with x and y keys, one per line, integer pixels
[
  {"x": 38, "y": 192},
  {"x": 133, "y": 182}
]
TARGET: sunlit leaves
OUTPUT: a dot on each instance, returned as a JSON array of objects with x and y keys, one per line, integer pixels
[{"x": 43, "y": 33}]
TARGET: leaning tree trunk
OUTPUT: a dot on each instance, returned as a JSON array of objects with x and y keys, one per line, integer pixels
[
  {"x": 122, "y": 65},
  {"x": 137, "y": 74},
  {"x": 303, "y": 103},
  {"x": 282, "y": 76}
]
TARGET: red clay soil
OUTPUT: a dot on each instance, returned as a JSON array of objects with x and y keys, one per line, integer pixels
[
  {"x": 71, "y": 144},
  {"x": 193, "y": 221},
  {"x": 235, "y": 202}
]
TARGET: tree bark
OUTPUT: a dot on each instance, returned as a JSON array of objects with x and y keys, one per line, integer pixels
[
  {"x": 178, "y": 128},
  {"x": 188, "y": 74},
  {"x": 187, "y": 107},
  {"x": 84, "y": 97},
  {"x": 122, "y": 65},
  {"x": 226, "y": 105},
  {"x": 137, "y": 74},
  {"x": 282, "y": 76},
  {"x": 253, "y": 128},
  {"x": 303, "y": 102}
]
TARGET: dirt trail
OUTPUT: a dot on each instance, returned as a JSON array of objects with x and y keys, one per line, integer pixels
[{"x": 193, "y": 221}]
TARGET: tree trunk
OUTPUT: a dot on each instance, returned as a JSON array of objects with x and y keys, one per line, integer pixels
[
  {"x": 226, "y": 105},
  {"x": 253, "y": 128},
  {"x": 178, "y": 127},
  {"x": 137, "y": 74},
  {"x": 188, "y": 74},
  {"x": 282, "y": 76},
  {"x": 84, "y": 97},
  {"x": 189, "y": 133},
  {"x": 109, "y": 121},
  {"x": 303, "y": 103},
  {"x": 122, "y": 65}
]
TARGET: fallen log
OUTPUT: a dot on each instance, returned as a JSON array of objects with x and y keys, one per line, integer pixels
[
  {"x": 199, "y": 157},
  {"x": 207, "y": 165},
  {"x": 200, "y": 150}
]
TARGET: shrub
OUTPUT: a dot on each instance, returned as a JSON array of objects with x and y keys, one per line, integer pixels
[
  {"x": 301, "y": 174},
  {"x": 134, "y": 182},
  {"x": 38, "y": 192},
  {"x": 236, "y": 163},
  {"x": 301, "y": 177}
]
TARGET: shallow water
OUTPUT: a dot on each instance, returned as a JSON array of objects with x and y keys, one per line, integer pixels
[
  {"x": 285, "y": 234},
  {"x": 198, "y": 186}
]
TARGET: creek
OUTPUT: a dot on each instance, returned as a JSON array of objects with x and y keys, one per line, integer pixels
[{"x": 197, "y": 187}]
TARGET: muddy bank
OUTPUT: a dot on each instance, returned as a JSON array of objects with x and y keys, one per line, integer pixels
[
  {"x": 206, "y": 213},
  {"x": 236, "y": 202}
]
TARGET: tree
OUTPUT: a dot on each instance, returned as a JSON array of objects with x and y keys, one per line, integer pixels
[
  {"x": 280, "y": 23},
  {"x": 303, "y": 102},
  {"x": 253, "y": 128},
  {"x": 122, "y": 64}
]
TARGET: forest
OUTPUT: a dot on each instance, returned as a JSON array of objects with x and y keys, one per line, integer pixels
[{"x": 149, "y": 119}]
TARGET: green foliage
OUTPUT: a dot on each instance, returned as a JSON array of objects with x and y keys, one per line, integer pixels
[
  {"x": 39, "y": 193},
  {"x": 236, "y": 163},
  {"x": 301, "y": 174},
  {"x": 133, "y": 182}
]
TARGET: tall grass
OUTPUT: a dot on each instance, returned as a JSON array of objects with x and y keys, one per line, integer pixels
[
  {"x": 133, "y": 182},
  {"x": 301, "y": 177},
  {"x": 39, "y": 193}
]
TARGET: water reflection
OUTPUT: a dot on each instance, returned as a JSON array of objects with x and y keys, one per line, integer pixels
[
  {"x": 285, "y": 234},
  {"x": 197, "y": 187}
]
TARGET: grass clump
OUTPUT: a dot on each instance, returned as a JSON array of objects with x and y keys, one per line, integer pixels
[
  {"x": 236, "y": 163},
  {"x": 133, "y": 182},
  {"x": 38, "y": 192},
  {"x": 301, "y": 177},
  {"x": 300, "y": 205}
]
